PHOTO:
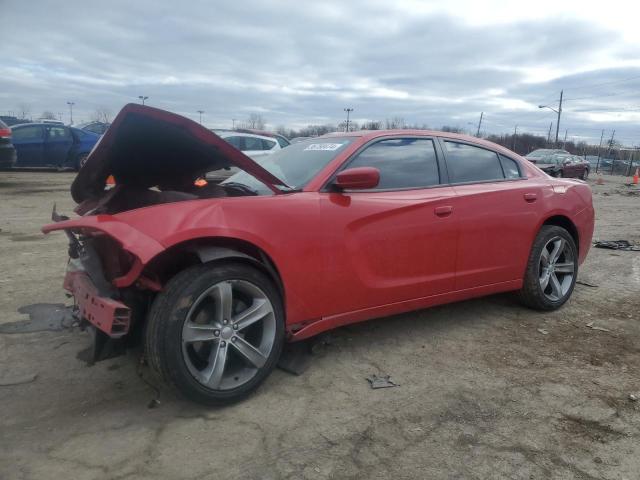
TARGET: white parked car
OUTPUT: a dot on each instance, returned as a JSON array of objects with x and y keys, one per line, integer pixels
[{"x": 251, "y": 144}]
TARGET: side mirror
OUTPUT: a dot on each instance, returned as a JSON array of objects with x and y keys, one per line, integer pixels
[{"x": 359, "y": 178}]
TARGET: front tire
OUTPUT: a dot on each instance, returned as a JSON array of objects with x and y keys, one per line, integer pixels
[
  {"x": 551, "y": 271},
  {"x": 215, "y": 332}
]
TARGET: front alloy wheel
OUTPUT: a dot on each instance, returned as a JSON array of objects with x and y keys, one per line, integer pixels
[
  {"x": 216, "y": 331},
  {"x": 556, "y": 268}
]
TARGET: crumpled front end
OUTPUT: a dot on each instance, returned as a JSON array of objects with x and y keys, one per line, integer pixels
[{"x": 107, "y": 257}]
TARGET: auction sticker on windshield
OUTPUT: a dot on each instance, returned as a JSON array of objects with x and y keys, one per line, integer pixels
[{"x": 324, "y": 146}]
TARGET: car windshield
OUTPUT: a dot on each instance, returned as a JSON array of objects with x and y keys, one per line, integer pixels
[{"x": 295, "y": 165}]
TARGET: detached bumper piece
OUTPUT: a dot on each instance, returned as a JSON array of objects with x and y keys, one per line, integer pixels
[{"x": 106, "y": 314}]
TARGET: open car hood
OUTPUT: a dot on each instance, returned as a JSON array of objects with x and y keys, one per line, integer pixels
[{"x": 147, "y": 147}]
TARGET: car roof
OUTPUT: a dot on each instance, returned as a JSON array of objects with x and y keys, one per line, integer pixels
[
  {"x": 39, "y": 124},
  {"x": 368, "y": 135}
]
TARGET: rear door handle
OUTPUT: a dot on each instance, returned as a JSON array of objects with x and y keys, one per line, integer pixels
[
  {"x": 443, "y": 211},
  {"x": 530, "y": 197}
]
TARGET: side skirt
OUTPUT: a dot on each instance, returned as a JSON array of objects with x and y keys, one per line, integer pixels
[{"x": 341, "y": 319}]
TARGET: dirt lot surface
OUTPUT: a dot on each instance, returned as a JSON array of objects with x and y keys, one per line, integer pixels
[{"x": 487, "y": 389}]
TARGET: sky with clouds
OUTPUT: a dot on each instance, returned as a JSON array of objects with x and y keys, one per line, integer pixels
[{"x": 299, "y": 63}]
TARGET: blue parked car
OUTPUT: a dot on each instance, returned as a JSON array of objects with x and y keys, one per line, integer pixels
[{"x": 52, "y": 145}]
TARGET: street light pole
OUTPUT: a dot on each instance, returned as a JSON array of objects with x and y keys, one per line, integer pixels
[
  {"x": 200, "y": 112},
  {"x": 515, "y": 132},
  {"x": 558, "y": 111},
  {"x": 142, "y": 98},
  {"x": 71, "y": 104},
  {"x": 348, "y": 110}
]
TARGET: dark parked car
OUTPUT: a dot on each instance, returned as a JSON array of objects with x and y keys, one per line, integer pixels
[
  {"x": 566, "y": 166},
  {"x": 52, "y": 145},
  {"x": 7, "y": 151},
  {"x": 321, "y": 234}
]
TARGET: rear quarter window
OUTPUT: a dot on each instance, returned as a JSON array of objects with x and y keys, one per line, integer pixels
[{"x": 468, "y": 163}]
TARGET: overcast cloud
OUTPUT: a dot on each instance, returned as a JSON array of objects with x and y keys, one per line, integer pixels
[{"x": 299, "y": 62}]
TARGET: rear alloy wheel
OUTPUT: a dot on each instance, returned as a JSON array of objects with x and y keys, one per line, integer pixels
[
  {"x": 551, "y": 271},
  {"x": 216, "y": 332}
]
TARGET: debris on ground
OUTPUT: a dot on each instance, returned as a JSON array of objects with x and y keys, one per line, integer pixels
[
  {"x": 383, "y": 381},
  {"x": 7, "y": 382},
  {"x": 586, "y": 284},
  {"x": 617, "y": 245},
  {"x": 543, "y": 331},
  {"x": 154, "y": 403},
  {"x": 633, "y": 397},
  {"x": 595, "y": 327},
  {"x": 42, "y": 317}
]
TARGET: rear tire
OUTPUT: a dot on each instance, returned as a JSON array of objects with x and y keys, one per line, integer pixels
[
  {"x": 551, "y": 270},
  {"x": 585, "y": 174},
  {"x": 195, "y": 339}
]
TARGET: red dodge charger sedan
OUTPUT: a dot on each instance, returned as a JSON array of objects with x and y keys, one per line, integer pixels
[{"x": 213, "y": 279}]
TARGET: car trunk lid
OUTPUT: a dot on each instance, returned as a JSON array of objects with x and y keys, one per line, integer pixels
[{"x": 147, "y": 147}]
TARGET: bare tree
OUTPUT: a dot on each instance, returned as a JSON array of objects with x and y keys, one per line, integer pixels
[
  {"x": 372, "y": 125},
  {"x": 256, "y": 122},
  {"x": 102, "y": 114},
  {"x": 395, "y": 123},
  {"x": 24, "y": 110},
  {"x": 47, "y": 115}
]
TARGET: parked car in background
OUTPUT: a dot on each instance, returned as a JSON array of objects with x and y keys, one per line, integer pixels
[
  {"x": 94, "y": 127},
  {"x": 542, "y": 154},
  {"x": 327, "y": 232},
  {"x": 567, "y": 166},
  {"x": 52, "y": 145},
  {"x": 253, "y": 145},
  {"x": 7, "y": 150},
  {"x": 282, "y": 140}
]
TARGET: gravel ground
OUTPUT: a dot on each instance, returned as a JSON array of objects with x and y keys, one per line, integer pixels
[{"x": 487, "y": 389}]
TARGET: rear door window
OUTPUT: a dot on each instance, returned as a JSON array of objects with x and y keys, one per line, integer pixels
[
  {"x": 467, "y": 163},
  {"x": 404, "y": 163},
  {"x": 59, "y": 133},
  {"x": 267, "y": 144},
  {"x": 29, "y": 134}
]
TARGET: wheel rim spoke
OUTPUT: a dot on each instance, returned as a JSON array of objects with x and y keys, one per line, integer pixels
[
  {"x": 566, "y": 267},
  {"x": 544, "y": 258},
  {"x": 556, "y": 288},
  {"x": 194, "y": 332},
  {"x": 213, "y": 374},
  {"x": 544, "y": 281},
  {"x": 249, "y": 352},
  {"x": 256, "y": 312},
  {"x": 558, "y": 247},
  {"x": 223, "y": 297}
]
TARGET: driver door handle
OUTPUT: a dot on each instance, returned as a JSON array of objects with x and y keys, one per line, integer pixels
[
  {"x": 443, "y": 211},
  {"x": 530, "y": 197}
]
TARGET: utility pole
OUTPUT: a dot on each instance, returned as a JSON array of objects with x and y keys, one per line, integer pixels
[
  {"x": 142, "y": 98},
  {"x": 348, "y": 110},
  {"x": 200, "y": 112},
  {"x": 609, "y": 150},
  {"x": 599, "y": 149},
  {"x": 515, "y": 132},
  {"x": 71, "y": 104},
  {"x": 565, "y": 138},
  {"x": 559, "y": 113},
  {"x": 479, "y": 124},
  {"x": 549, "y": 134}
]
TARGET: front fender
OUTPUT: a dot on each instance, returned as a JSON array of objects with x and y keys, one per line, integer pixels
[{"x": 132, "y": 240}]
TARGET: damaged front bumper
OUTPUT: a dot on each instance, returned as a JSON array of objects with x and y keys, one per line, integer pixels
[{"x": 106, "y": 314}]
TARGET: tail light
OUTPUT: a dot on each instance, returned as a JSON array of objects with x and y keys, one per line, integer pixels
[{"x": 5, "y": 133}]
